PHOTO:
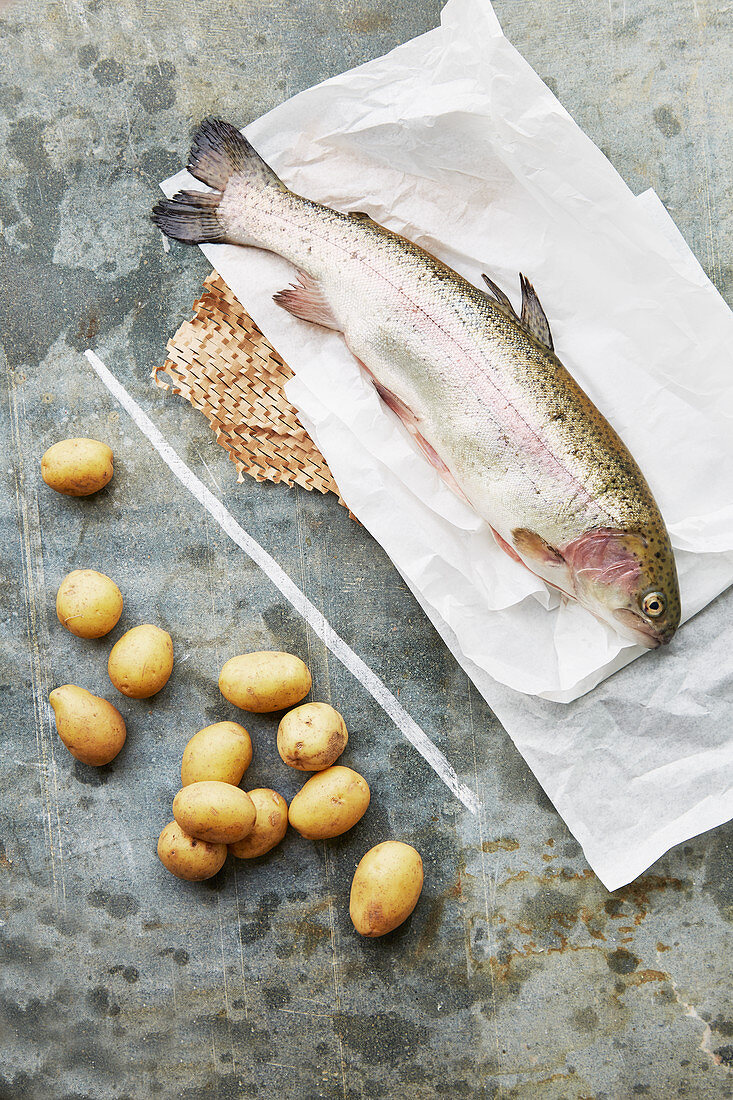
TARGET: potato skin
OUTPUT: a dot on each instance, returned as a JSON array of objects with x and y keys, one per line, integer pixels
[
  {"x": 77, "y": 467},
  {"x": 141, "y": 661},
  {"x": 188, "y": 858},
  {"x": 221, "y": 752},
  {"x": 311, "y": 737},
  {"x": 330, "y": 803},
  {"x": 385, "y": 888},
  {"x": 270, "y": 825},
  {"x": 91, "y": 728},
  {"x": 264, "y": 681},
  {"x": 218, "y": 812},
  {"x": 88, "y": 603}
]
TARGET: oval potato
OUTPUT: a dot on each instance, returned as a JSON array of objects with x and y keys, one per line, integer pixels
[
  {"x": 270, "y": 825},
  {"x": 222, "y": 752},
  {"x": 77, "y": 467},
  {"x": 386, "y": 887},
  {"x": 141, "y": 661},
  {"x": 311, "y": 737},
  {"x": 265, "y": 681},
  {"x": 214, "y": 811},
  {"x": 188, "y": 858},
  {"x": 88, "y": 603},
  {"x": 330, "y": 803},
  {"x": 91, "y": 728}
]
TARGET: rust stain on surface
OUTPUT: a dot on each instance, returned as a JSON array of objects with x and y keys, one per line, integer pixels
[
  {"x": 506, "y": 970},
  {"x": 588, "y": 918},
  {"x": 641, "y": 977},
  {"x": 89, "y": 331},
  {"x": 520, "y": 876},
  {"x": 503, "y": 844},
  {"x": 546, "y": 914},
  {"x": 638, "y": 893},
  {"x": 369, "y": 22},
  {"x": 566, "y": 874}
]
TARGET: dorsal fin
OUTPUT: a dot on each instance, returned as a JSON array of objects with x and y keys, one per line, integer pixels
[
  {"x": 499, "y": 294},
  {"x": 533, "y": 315}
]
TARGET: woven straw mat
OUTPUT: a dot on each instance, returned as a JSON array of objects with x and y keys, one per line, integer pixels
[{"x": 223, "y": 365}]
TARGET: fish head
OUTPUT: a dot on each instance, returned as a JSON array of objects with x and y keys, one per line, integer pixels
[{"x": 629, "y": 580}]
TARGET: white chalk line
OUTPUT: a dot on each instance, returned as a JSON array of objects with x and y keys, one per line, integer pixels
[{"x": 315, "y": 618}]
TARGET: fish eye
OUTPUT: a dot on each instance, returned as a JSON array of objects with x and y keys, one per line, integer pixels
[{"x": 653, "y": 604}]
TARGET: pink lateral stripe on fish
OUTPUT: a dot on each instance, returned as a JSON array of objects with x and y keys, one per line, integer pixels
[{"x": 479, "y": 387}]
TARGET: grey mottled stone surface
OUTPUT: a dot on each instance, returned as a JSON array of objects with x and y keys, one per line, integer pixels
[{"x": 518, "y": 975}]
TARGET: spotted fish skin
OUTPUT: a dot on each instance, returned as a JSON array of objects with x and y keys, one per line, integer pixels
[{"x": 479, "y": 387}]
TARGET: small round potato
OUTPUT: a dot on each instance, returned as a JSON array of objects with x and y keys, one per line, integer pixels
[
  {"x": 214, "y": 811},
  {"x": 88, "y": 603},
  {"x": 222, "y": 752},
  {"x": 385, "y": 888},
  {"x": 263, "y": 682},
  {"x": 77, "y": 467},
  {"x": 141, "y": 661},
  {"x": 270, "y": 826},
  {"x": 91, "y": 728},
  {"x": 311, "y": 737},
  {"x": 188, "y": 858},
  {"x": 330, "y": 803}
]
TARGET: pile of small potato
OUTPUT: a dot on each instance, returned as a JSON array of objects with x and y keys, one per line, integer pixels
[
  {"x": 89, "y": 605},
  {"x": 212, "y": 815}
]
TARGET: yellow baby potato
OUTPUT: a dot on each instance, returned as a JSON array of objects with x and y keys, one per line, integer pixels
[
  {"x": 222, "y": 752},
  {"x": 77, "y": 467},
  {"x": 188, "y": 858},
  {"x": 91, "y": 728},
  {"x": 385, "y": 889},
  {"x": 141, "y": 662},
  {"x": 218, "y": 812},
  {"x": 88, "y": 603},
  {"x": 270, "y": 825},
  {"x": 262, "y": 682},
  {"x": 311, "y": 737},
  {"x": 330, "y": 803}
]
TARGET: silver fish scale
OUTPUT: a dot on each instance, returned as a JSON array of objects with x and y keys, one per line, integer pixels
[{"x": 524, "y": 443}]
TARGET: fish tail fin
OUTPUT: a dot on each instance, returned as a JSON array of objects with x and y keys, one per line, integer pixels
[
  {"x": 218, "y": 153},
  {"x": 191, "y": 216}
]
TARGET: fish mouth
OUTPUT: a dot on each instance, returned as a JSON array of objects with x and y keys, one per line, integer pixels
[{"x": 641, "y": 631}]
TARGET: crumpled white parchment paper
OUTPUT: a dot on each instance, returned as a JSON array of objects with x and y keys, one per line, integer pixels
[{"x": 455, "y": 142}]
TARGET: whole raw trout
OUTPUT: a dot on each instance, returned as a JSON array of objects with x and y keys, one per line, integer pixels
[{"x": 479, "y": 388}]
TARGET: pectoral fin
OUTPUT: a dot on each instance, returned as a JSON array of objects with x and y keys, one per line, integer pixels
[
  {"x": 531, "y": 545},
  {"x": 544, "y": 560},
  {"x": 541, "y": 559}
]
